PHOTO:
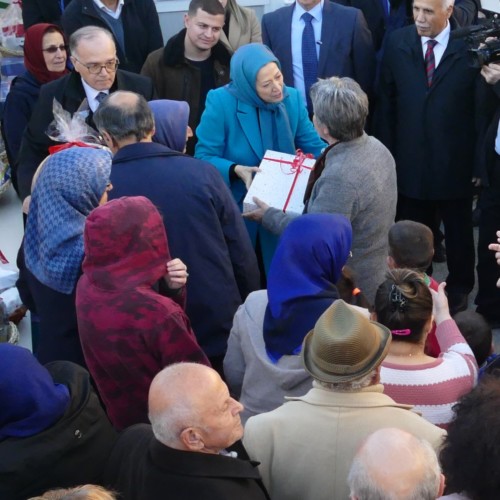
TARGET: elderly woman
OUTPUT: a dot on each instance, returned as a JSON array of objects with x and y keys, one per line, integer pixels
[
  {"x": 53, "y": 430},
  {"x": 252, "y": 114},
  {"x": 241, "y": 26},
  {"x": 45, "y": 54},
  {"x": 71, "y": 184},
  {"x": 171, "y": 123},
  {"x": 404, "y": 304},
  {"x": 129, "y": 331},
  {"x": 355, "y": 176},
  {"x": 262, "y": 364}
]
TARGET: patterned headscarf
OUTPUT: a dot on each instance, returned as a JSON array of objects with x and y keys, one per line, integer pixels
[
  {"x": 171, "y": 121},
  {"x": 301, "y": 282},
  {"x": 30, "y": 400},
  {"x": 275, "y": 129},
  {"x": 70, "y": 186}
]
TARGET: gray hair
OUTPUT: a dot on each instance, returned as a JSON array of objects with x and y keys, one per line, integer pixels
[
  {"x": 122, "y": 121},
  {"x": 363, "y": 485},
  {"x": 87, "y": 33},
  {"x": 351, "y": 386},
  {"x": 341, "y": 106}
]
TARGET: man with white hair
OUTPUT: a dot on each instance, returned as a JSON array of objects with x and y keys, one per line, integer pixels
[
  {"x": 306, "y": 446},
  {"x": 426, "y": 115},
  {"x": 192, "y": 448},
  {"x": 394, "y": 465}
]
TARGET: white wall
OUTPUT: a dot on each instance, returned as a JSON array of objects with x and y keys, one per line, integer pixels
[{"x": 171, "y": 12}]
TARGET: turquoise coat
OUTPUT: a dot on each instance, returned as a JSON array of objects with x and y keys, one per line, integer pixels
[{"x": 229, "y": 133}]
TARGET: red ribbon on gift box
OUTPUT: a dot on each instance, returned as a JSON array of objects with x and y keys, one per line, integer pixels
[
  {"x": 67, "y": 145},
  {"x": 297, "y": 166}
]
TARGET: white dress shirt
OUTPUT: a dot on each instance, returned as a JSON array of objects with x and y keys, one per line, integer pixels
[
  {"x": 298, "y": 25},
  {"x": 113, "y": 13},
  {"x": 91, "y": 94},
  {"x": 442, "y": 42}
]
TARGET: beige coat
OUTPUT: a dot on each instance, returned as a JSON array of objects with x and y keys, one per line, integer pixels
[
  {"x": 307, "y": 445},
  {"x": 237, "y": 37}
]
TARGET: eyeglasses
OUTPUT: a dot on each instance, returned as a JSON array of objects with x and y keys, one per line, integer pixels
[
  {"x": 54, "y": 48},
  {"x": 96, "y": 68}
]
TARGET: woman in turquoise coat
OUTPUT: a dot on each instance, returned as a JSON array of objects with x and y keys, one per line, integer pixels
[{"x": 253, "y": 113}]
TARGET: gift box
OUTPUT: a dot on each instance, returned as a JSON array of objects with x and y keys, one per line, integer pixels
[{"x": 282, "y": 181}]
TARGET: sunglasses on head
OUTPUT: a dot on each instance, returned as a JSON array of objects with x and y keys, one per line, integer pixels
[{"x": 54, "y": 48}]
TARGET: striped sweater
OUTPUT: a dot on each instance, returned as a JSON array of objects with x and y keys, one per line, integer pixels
[{"x": 433, "y": 388}]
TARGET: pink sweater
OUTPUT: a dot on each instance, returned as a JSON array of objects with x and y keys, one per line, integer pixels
[{"x": 433, "y": 388}]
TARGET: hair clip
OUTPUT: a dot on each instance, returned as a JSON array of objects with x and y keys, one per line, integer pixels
[
  {"x": 398, "y": 300},
  {"x": 406, "y": 331}
]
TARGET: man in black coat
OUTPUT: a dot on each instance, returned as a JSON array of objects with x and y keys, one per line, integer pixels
[
  {"x": 94, "y": 58},
  {"x": 426, "y": 116},
  {"x": 43, "y": 11},
  {"x": 192, "y": 450},
  {"x": 203, "y": 223},
  {"x": 135, "y": 26}
]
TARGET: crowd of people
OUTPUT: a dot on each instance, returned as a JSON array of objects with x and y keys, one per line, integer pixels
[{"x": 184, "y": 349}]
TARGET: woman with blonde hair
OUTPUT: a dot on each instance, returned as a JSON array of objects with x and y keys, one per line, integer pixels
[{"x": 241, "y": 26}]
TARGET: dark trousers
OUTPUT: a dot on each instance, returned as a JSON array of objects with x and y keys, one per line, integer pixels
[
  {"x": 488, "y": 272},
  {"x": 457, "y": 219}
]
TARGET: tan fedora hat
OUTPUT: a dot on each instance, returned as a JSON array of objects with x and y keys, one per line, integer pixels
[{"x": 344, "y": 345}]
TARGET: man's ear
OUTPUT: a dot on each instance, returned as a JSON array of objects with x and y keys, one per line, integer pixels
[
  {"x": 186, "y": 20},
  {"x": 390, "y": 262},
  {"x": 108, "y": 140},
  {"x": 442, "y": 484},
  {"x": 191, "y": 439}
]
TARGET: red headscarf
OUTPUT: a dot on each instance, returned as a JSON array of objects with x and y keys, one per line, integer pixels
[{"x": 33, "y": 54}]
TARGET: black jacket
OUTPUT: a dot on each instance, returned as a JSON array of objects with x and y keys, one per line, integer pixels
[
  {"x": 70, "y": 93},
  {"x": 141, "y": 468},
  {"x": 71, "y": 452},
  {"x": 141, "y": 28},
  {"x": 42, "y": 11},
  {"x": 431, "y": 133}
]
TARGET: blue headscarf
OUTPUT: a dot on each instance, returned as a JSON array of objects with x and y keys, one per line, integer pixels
[
  {"x": 30, "y": 401},
  {"x": 301, "y": 282},
  {"x": 171, "y": 121},
  {"x": 69, "y": 187},
  {"x": 273, "y": 117}
]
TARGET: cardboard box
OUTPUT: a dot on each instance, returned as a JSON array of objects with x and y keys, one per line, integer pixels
[{"x": 282, "y": 181}]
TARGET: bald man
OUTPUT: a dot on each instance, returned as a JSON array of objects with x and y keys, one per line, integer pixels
[
  {"x": 394, "y": 464},
  {"x": 192, "y": 448}
]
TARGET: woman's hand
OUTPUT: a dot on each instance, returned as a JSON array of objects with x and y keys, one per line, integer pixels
[
  {"x": 440, "y": 308},
  {"x": 257, "y": 214},
  {"x": 246, "y": 174},
  {"x": 176, "y": 275}
]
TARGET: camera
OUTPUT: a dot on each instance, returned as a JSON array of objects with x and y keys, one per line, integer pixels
[{"x": 489, "y": 53}]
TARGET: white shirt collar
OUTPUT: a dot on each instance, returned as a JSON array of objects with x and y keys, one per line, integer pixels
[
  {"x": 316, "y": 11},
  {"x": 442, "y": 38},
  {"x": 91, "y": 94},
  {"x": 113, "y": 13}
]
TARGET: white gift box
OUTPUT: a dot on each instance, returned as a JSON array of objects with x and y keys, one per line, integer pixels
[{"x": 282, "y": 182}]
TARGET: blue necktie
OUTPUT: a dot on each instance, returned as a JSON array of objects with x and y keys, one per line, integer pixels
[{"x": 309, "y": 57}]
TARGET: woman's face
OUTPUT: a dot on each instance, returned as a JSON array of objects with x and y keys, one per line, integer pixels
[
  {"x": 55, "y": 60},
  {"x": 269, "y": 83}
]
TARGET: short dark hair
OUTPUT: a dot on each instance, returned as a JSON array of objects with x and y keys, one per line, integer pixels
[
  {"x": 121, "y": 122},
  {"x": 470, "y": 456},
  {"x": 477, "y": 333},
  {"x": 411, "y": 245},
  {"x": 403, "y": 302},
  {"x": 212, "y": 7}
]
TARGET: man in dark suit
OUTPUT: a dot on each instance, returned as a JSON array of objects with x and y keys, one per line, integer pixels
[
  {"x": 93, "y": 54},
  {"x": 317, "y": 39},
  {"x": 43, "y": 11},
  {"x": 426, "y": 116}
]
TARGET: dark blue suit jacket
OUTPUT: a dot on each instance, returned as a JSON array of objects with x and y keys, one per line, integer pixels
[{"x": 346, "y": 43}]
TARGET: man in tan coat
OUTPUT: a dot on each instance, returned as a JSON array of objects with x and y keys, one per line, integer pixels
[{"x": 307, "y": 445}]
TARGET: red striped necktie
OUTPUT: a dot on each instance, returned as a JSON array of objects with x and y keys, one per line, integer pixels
[{"x": 430, "y": 62}]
